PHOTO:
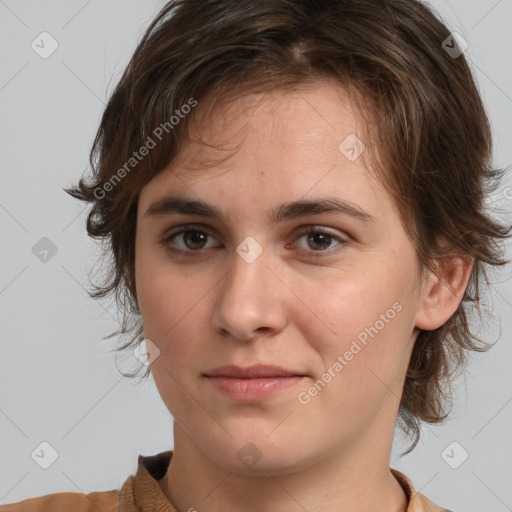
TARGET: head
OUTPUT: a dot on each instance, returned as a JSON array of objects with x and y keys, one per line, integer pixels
[{"x": 249, "y": 107}]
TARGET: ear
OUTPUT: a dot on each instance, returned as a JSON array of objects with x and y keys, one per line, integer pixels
[{"x": 443, "y": 291}]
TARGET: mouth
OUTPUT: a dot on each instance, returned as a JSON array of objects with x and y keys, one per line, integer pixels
[
  {"x": 252, "y": 372},
  {"x": 253, "y": 383}
]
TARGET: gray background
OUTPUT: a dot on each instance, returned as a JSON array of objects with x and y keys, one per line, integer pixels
[{"x": 59, "y": 382}]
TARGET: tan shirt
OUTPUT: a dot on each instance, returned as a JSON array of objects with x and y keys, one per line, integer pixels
[{"x": 141, "y": 493}]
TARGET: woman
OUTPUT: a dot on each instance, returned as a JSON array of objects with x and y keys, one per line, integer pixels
[{"x": 293, "y": 193}]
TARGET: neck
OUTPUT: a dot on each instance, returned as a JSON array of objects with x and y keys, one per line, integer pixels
[{"x": 355, "y": 479}]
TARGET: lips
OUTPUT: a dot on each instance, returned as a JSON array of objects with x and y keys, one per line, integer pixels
[
  {"x": 254, "y": 383},
  {"x": 252, "y": 372}
]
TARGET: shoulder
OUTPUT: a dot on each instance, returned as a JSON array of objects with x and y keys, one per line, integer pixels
[
  {"x": 107, "y": 501},
  {"x": 139, "y": 491},
  {"x": 417, "y": 501}
]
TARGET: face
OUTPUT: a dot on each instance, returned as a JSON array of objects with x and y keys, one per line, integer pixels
[{"x": 326, "y": 291}]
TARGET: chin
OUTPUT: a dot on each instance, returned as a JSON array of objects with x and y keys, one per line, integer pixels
[{"x": 259, "y": 458}]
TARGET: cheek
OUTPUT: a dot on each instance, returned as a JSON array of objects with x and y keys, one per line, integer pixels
[
  {"x": 164, "y": 293},
  {"x": 167, "y": 306},
  {"x": 169, "y": 303},
  {"x": 173, "y": 313},
  {"x": 341, "y": 307},
  {"x": 362, "y": 326}
]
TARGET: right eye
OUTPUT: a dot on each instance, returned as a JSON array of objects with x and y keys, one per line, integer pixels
[{"x": 187, "y": 239}]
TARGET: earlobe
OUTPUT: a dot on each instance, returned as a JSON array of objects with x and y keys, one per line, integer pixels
[{"x": 444, "y": 291}]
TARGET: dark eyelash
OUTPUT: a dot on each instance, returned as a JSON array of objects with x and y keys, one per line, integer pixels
[
  {"x": 306, "y": 231},
  {"x": 322, "y": 231},
  {"x": 180, "y": 231}
]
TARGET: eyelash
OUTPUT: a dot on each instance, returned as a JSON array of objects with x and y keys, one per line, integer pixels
[{"x": 308, "y": 230}]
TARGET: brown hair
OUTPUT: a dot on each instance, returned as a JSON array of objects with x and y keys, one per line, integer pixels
[{"x": 429, "y": 118}]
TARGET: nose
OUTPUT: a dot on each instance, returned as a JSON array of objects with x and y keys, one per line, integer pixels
[{"x": 251, "y": 300}]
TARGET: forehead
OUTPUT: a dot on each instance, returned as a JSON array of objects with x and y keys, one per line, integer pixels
[
  {"x": 270, "y": 148},
  {"x": 303, "y": 125}
]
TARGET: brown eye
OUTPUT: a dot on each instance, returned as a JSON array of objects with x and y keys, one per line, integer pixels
[
  {"x": 194, "y": 239},
  {"x": 319, "y": 241},
  {"x": 187, "y": 239}
]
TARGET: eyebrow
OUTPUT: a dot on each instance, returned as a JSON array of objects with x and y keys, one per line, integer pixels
[{"x": 287, "y": 211}]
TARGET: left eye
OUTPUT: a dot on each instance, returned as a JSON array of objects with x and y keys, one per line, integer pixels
[{"x": 319, "y": 240}]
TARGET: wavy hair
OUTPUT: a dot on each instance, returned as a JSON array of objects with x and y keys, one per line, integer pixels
[{"x": 412, "y": 78}]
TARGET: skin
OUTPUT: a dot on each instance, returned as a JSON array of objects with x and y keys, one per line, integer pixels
[{"x": 210, "y": 307}]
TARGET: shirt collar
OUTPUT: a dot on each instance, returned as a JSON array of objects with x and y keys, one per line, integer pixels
[{"x": 142, "y": 491}]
